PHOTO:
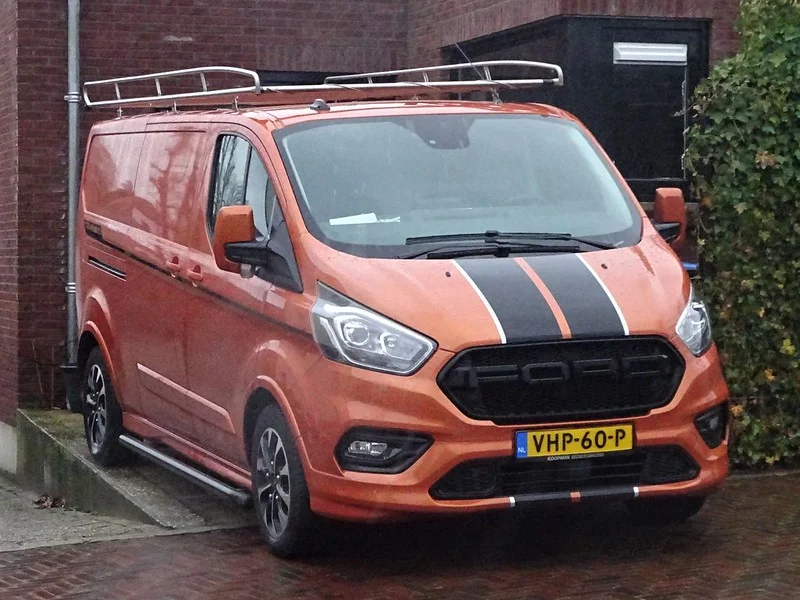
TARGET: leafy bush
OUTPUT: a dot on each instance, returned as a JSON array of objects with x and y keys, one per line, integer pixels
[{"x": 744, "y": 151}]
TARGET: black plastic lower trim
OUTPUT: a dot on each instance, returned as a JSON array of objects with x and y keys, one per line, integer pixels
[
  {"x": 595, "y": 494},
  {"x": 504, "y": 477}
]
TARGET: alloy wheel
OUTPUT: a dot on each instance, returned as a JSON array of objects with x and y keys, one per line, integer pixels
[
  {"x": 97, "y": 412},
  {"x": 274, "y": 483}
]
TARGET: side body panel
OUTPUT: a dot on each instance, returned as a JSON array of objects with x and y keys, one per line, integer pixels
[
  {"x": 168, "y": 175},
  {"x": 224, "y": 326},
  {"x": 104, "y": 271}
]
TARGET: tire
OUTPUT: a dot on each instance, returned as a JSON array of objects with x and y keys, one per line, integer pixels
[
  {"x": 662, "y": 511},
  {"x": 102, "y": 415},
  {"x": 280, "y": 492}
]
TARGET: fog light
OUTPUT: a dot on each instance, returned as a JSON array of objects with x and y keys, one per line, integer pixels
[
  {"x": 364, "y": 448},
  {"x": 713, "y": 424},
  {"x": 380, "y": 450}
]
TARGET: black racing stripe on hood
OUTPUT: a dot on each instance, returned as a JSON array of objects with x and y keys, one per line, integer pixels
[
  {"x": 521, "y": 309},
  {"x": 585, "y": 304}
]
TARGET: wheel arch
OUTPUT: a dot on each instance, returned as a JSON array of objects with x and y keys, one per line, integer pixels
[
  {"x": 96, "y": 332},
  {"x": 263, "y": 393},
  {"x": 88, "y": 342},
  {"x": 259, "y": 399}
]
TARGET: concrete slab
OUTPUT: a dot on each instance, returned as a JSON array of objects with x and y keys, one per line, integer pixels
[
  {"x": 53, "y": 459},
  {"x": 8, "y": 449}
]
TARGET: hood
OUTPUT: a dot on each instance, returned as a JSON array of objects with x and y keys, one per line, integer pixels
[{"x": 467, "y": 302}]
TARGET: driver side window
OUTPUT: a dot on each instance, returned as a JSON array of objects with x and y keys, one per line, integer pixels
[{"x": 240, "y": 178}]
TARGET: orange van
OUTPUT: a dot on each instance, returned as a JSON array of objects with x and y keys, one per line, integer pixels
[{"x": 334, "y": 304}]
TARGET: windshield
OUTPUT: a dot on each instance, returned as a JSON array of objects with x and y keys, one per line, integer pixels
[{"x": 367, "y": 185}]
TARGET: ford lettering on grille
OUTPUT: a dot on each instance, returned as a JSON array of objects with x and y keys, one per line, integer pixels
[
  {"x": 567, "y": 380},
  {"x": 563, "y": 371}
]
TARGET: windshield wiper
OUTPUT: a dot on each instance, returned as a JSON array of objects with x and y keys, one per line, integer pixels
[
  {"x": 491, "y": 248},
  {"x": 497, "y": 236}
]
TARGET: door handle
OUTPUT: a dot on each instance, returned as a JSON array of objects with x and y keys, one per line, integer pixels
[
  {"x": 173, "y": 266},
  {"x": 195, "y": 275}
]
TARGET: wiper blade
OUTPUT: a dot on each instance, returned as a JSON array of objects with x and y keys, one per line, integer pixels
[
  {"x": 497, "y": 236},
  {"x": 450, "y": 237},
  {"x": 567, "y": 237},
  {"x": 490, "y": 249}
]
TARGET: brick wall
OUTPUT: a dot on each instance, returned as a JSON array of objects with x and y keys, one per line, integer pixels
[
  {"x": 434, "y": 24},
  {"x": 41, "y": 43},
  {"x": 130, "y": 36},
  {"x": 8, "y": 209}
]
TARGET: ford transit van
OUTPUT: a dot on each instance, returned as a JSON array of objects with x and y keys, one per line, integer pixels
[{"x": 334, "y": 305}]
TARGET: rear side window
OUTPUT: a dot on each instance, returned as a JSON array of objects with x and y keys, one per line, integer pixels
[
  {"x": 170, "y": 170},
  {"x": 240, "y": 178},
  {"x": 110, "y": 175}
]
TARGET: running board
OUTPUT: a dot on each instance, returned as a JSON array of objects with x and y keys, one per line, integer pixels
[{"x": 206, "y": 481}]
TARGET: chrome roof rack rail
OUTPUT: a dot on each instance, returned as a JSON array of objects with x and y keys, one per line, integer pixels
[
  {"x": 360, "y": 86},
  {"x": 167, "y": 100}
]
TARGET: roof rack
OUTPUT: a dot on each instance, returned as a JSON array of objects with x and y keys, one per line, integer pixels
[{"x": 361, "y": 86}]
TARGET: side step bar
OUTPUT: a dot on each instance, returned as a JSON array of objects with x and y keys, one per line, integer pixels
[{"x": 210, "y": 483}]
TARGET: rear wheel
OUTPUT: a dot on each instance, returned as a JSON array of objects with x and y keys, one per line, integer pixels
[
  {"x": 665, "y": 510},
  {"x": 280, "y": 493},
  {"x": 102, "y": 416}
]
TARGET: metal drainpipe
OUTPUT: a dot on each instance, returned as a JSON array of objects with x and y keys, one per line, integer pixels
[{"x": 73, "y": 99}]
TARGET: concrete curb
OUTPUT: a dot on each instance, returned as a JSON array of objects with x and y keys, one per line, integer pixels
[
  {"x": 52, "y": 458},
  {"x": 45, "y": 465}
]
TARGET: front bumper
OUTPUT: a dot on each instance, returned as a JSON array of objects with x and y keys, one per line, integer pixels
[{"x": 348, "y": 398}]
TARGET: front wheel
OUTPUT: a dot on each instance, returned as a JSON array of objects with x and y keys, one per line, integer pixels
[
  {"x": 280, "y": 493},
  {"x": 665, "y": 510}
]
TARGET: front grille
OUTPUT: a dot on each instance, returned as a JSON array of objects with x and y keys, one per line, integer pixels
[
  {"x": 508, "y": 477},
  {"x": 570, "y": 380}
]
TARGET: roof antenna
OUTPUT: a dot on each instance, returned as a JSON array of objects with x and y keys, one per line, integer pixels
[
  {"x": 495, "y": 94},
  {"x": 319, "y": 105}
]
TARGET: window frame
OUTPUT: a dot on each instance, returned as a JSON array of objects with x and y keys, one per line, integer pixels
[
  {"x": 260, "y": 272},
  {"x": 212, "y": 187}
]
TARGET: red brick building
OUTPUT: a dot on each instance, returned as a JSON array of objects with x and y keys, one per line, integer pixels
[{"x": 293, "y": 36}]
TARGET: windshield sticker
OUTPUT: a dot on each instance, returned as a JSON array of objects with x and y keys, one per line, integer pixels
[{"x": 361, "y": 219}]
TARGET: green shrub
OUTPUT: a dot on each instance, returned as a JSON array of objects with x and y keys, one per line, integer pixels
[{"x": 744, "y": 151}]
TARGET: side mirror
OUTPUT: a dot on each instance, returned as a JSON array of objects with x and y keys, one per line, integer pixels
[
  {"x": 669, "y": 216},
  {"x": 234, "y": 224}
]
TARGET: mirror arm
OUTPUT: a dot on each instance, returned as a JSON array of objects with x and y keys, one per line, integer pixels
[
  {"x": 275, "y": 266},
  {"x": 669, "y": 231},
  {"x": 248, "y": 253}
]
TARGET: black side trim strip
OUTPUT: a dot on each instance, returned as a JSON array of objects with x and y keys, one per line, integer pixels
[
  {"x": 543, "y": 498},
  {"x": 613, "y": 493},
  {"x": 585, "y": 304},
  {"x": 603, "y": 494},
  {"x": 106, "y": 268},
  {"x": 519, "y": 305}
]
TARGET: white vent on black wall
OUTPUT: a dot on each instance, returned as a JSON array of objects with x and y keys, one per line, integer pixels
[{"x": 640, "y": 53}]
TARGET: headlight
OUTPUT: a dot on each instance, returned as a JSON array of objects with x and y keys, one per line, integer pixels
[
  {"x": 694, "y": 326},
  {"x": 352, "y": 334}
]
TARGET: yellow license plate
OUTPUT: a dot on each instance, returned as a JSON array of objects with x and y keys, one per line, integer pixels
[{"x": 544, "y": 443}]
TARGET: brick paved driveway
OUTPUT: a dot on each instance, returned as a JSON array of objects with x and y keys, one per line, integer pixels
[{"x": 744, "y": 545}]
